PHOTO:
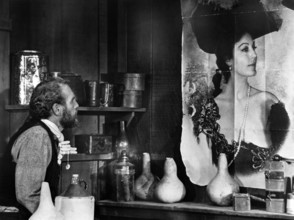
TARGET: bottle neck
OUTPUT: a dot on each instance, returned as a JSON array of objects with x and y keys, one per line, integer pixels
[
  {"x": 75, "y": 179},
  {"x": 122, "y": 126},
  {"x": 222, "y": 163},
  {"x": 146, "y": 163}
]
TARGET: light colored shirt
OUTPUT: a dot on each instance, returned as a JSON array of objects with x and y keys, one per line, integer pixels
[{"x": 55, "y": 130}]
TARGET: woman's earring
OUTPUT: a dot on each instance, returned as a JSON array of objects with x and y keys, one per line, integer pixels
[{"x": 230, "y": 68}]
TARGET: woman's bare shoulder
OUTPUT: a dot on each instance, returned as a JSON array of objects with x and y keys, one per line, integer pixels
[{"x": 264, "y": 96}]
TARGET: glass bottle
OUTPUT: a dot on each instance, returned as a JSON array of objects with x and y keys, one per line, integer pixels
[
  {"x": 122, "y": 142},
  {"x": 124, "y": 176}
]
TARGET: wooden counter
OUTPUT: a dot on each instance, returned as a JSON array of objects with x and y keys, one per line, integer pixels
[{"x": 107, "y": 209}]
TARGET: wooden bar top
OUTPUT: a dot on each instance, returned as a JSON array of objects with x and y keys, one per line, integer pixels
[{"x": 183, "y": 210}]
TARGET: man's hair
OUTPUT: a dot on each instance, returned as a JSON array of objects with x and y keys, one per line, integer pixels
[{"x": 44, "y": 96}]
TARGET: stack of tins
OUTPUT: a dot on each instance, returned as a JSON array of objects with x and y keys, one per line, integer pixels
[
  {"x": 275, "y": 186},
  {"x": 134, "y": 85}
]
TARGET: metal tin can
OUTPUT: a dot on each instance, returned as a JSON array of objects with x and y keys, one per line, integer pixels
[
  {"x": 290, "y": 203},
  {"x": 134, "y": 81},
  {"x": 275, "y": 186},
  {"x": 29, "y": 68},
  {"x": 91, "y": 92},
  {"x": 241, "y": 202},
  {"x": 275, "y": 205},
  {"x": 132, "y": 99}
]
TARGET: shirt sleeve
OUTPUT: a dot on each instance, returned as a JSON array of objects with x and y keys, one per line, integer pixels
[{"x": 34, "y": 156}]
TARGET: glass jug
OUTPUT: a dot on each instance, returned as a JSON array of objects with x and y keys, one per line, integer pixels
[{"x": 124, "y": 175}]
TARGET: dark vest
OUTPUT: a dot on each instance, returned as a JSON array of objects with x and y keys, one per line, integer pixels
[{"x": 53, "y": 170}]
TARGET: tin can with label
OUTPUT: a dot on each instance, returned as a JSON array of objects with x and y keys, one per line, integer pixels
[{"x": 29, "y": 68}]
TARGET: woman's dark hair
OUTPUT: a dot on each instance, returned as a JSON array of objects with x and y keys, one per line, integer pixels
[
  {"x": 44, "y": 96},
  {"x": 224, "y": 52}
]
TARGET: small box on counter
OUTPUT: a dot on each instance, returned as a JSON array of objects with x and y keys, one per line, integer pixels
[
  {"x": 93, "y": 144},
  {"x": 241, "y": 202}
]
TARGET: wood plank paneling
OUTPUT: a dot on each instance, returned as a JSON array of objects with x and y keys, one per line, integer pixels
[
  {"x": 166, "y": 83},
  {"x": 4, "y": 89},
  {"x": 66, "y": 30},
  {"x": 137, "y": 16},
  {"x": 4, "y": 72},
  {"x": 154, "y": 47}
]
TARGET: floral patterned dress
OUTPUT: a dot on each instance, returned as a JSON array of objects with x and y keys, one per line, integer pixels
[{"x": 251, "y": 158}]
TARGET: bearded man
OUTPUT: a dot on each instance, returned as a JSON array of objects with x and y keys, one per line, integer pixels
[{"x": 38, "y": 146}]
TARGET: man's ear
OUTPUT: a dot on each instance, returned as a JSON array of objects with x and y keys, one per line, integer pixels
[{"x": 57, "y": 109}]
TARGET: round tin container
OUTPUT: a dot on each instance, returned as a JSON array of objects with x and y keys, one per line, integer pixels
[
  {"x": 134, "y": 81},
  {"x": 132, "y": 99}
]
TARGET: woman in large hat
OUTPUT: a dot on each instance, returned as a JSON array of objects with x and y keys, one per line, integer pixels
[{"x": 247, "y": 124}]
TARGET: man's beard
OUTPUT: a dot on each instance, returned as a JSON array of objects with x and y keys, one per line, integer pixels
[{"x": 68, "y": 120}]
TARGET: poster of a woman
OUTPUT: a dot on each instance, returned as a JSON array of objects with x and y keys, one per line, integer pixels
[{"x": 237, "y": 77}]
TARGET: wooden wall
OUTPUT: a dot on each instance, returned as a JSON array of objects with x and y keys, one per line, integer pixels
[
  {"x": 152, "y": 43},
  {"x": 5, "y": 27},
  {"x": 93, "y": 37},
  {"x": 66, "y": 30}
]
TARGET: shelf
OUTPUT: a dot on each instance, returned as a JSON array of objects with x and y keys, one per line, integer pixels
[
  {"x": 182, "y": 210},
  {"x": 117, "y": 113},
  {"x": 16, "y": 107},
  {"x": 88, "y": 157},
  {"x": 83, "y": 109}
]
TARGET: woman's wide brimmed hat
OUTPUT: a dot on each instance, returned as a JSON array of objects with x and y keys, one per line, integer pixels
[{"x": 210, "y": 22}]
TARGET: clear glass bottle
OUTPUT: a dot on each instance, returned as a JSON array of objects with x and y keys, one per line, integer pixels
[
  {"x": 122, "y": 142},
  {"x": 124, "y": 176}
]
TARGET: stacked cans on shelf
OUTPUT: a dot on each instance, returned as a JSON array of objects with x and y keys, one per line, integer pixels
[
  {"x": 134, "y": 85},
  {"x": 275, "y": 185}
]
